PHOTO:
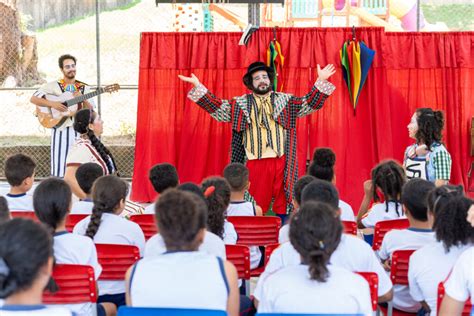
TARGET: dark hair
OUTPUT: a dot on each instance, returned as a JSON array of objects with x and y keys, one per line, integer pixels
[
  {"x": 414, "y": 197},
  {"x": 17, "y": 168},
  {"x": 180, "y": 216},
  {"x": 321, "y": 191},
  {"x": 163, "y": 176},
  {"x": 86, "y": 174},
  {"x": 248, "y": 80},
  {"x": 450, "y": 225},
  {"x": 440, "y": 195},
  {"x": 107, "y": 192},
  {"x": 51, "y": 201},
  {"x": 63, "y": 58},
  {"x": 430, "y": 126},
  {"x": 315, "y": 233},
  {"x": 389, "y": 176},
  {"x": 82, "y": 119},
  {"x": 193, "y": 188},
  {"x": 217, "y": 203},
  {"x": 25, "y": 248},
  {"x": 322, "y": 166},
  {"x": 4, "y": 211},
  {"x": 300, "y": 185},
  {"x": 237, "y": 175}
]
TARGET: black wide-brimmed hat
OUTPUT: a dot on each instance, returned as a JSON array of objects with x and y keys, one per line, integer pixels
[{"x": 254, "y": 67}]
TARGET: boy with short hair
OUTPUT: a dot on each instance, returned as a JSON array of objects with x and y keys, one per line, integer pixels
[
  {"x": 20, "y": 174},
  {"x": 86, "y": 174},
  {"x": 162, "y": 176}
]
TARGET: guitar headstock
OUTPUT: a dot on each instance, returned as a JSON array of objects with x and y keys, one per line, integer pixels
[{"x": 112, "y": 88}]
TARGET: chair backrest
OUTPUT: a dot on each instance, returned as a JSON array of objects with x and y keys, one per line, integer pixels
[
  {"x": 115, "y": 260},
  {"x": 147, "y": 311},
  {"x": 147, "y": 224},
  {"x": 76, "y": 285},
  {"x": 256, "y": 230},
  {"x": 373, "y": 279},
  {"x": 269, "y": 250},
  {"x": 73, "y": 219},
  {"x": 467, "y": 307},
  {"x": 383, "y": 227},
  {"x": 399, "y": 267},
  {"x": 239, "y": 255},
  {"x": 350, "y": 227},
  {"x": 24, "y": 214}
]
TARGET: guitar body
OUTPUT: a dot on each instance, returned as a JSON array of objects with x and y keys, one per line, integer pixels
[{"x": 49, "y": 117}]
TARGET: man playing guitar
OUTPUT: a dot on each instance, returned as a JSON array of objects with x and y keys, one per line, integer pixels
[{"x": 63, "y": 134}]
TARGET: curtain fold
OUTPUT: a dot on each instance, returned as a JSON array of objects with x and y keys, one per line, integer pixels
[{"x": 410, "y": 70}]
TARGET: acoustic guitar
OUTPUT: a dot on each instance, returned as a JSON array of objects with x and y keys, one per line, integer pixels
[{"x": 49, "y": 117}]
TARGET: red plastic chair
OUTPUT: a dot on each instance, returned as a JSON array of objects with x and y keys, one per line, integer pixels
[
  {"x": 24, "y": 214},
  {"x": 73, "y": 219},
  {"x": 383, "y": 227},
  {"x": 147, "y": 224},
  {"x": 76, "y": 285},
  {"x": 240, "y": 257},
  {"x": 115, "y": 260},
  {"x": 467, "y": 307},
  {"x": 256, "y": 231},
  {"x": 373, "y": 279},
  {"x": 350, "y": 227}
]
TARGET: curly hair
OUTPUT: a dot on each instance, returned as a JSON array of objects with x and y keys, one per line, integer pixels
[
  {"x": 389, "y": 177},
  {"x": 315, "y": 233},
  {"x": 62, "y": 58},
  {"x": 82, "y": 119},
  {"x": 217, "y": 204},
  {"x": 430, "y": 126},
  {"x": 322, "y": 166},
  {"x": 450, "y": 225},
  {"x": 107, "y": 192},
  {"x": 440, "y": 195},
  {"x": 163, "y": 176}
]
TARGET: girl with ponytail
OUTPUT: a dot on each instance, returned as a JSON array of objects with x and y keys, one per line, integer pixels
[
  {"x": 314, "y": 286},
  {"x": 428, "y": 157},
  {"x": 52, "y": 204},
  {"x": 87, "y": 148},
  {"x": 105, "y": 226}
]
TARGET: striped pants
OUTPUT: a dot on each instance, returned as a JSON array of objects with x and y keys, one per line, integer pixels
[{"x": 61, "y": 141}]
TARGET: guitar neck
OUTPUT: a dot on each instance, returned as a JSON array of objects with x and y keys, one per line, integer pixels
[{"x": 84, "y": 97}]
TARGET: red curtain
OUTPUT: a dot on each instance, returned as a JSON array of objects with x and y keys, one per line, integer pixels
[{"x": 410, "y": 70}]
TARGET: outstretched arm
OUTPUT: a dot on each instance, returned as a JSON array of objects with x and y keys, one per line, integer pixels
[{"x": 218, "y": 108}]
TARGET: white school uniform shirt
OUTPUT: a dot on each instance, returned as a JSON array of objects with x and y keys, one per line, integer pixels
[
  {"x": 429, "y": 266},
  {"x": 379, "y": 212},
  {"x": 75, "y": 249},
  {"x": 230, "y": 235},
  {"x": 34, "y": 310},
  {"x": 211, "y": 245},
  {"x": 188, "y": 279},
  {"x": 352, "y": 254},
  {"x": 290, "y": 290},
  {"x": 82, "y": 207},
  {"x": 241, "y": 208},
  {"x": 284, "y": 234},
  {"x": 19, "y": 202},
  {"x": 347, "y": 213},
  {"x": 460, "y": 284},
  {"x": 114, "y": 229},
  {"x": 404, "y": 239}
]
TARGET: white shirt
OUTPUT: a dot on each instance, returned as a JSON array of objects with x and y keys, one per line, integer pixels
[
  {"x": 379, "y": 212},
  {"x": 85, "y": 207},
  {"x": 34, "y": 310},
  {"x": 460, "y": 284},
  {"x": 241, "y": 208},
  {"x": 347, "y": 213},
  {"x": 150, "y": 209},
  {"x": 429, "y": 266},
  {"x": 114, "y": 229},
  {"x": 75, "y": 249},
  {"x": 404, "y": 239},
  {"x": 191, "y": 279},
  {"x": 211, "y": 245},
  {"x": 284, "y": 234},
  {"x": 230, "y": 235},
  {"x": 352, "y": 254},
  {"x": 290, "y": 290},
  {"x": 19, "y": 202},
  {"x": 82, "y": 207}
]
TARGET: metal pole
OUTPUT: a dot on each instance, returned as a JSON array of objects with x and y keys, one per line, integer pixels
[
  {"x": 418, "y": 13},
  {"x": 97, "y": 50}
]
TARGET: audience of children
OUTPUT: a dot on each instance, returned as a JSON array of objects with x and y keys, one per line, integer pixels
[
  {"x": 162, "y": 176},
  {"x": 20, "y": 174},
  {"x": 322, "y": 167}
]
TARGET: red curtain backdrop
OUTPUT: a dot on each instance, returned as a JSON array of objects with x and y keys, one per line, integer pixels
[{"x": 410, "y": 70}]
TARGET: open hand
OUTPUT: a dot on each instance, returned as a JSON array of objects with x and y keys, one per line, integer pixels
[
  {"x": 193, "y": 79},
  {"x": 59, "y": 106},
  {"x": 326, "y": 72}
]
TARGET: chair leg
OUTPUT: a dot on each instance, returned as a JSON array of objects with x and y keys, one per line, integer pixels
[
  {"x": 390, "y": 309},
  {"x": 247, "y": 288}
]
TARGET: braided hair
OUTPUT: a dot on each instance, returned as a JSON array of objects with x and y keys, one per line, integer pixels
[
  {"x": 82, "y": 119},
  {"x": 389, "y": 177},
  {"x": 430, "y": 126},
  {"x": 107, "y": 193}
]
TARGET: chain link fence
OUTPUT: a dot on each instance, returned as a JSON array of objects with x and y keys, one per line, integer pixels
[{"x": 33, "y": 36}]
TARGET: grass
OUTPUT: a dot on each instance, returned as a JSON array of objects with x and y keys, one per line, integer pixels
[{"x": 458, "y": 17}]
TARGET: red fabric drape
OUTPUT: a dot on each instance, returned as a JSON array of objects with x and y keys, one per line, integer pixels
[{"x": 410, "y": 70}]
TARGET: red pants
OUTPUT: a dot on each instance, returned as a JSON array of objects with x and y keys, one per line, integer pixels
[{"x": 266, "y": 182}]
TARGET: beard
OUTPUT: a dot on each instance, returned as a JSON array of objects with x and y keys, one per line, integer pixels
[
  {"x": 262, "y": 89},
  {"x": 70, "y": 75}
]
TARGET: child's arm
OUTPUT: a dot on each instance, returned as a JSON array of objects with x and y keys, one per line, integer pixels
[{"x": 364, "y": 205}]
